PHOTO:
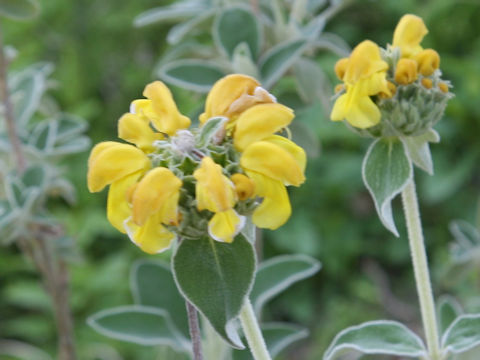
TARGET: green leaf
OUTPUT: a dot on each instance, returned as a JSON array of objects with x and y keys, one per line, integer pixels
[
  {"x": 279, "y": 59},
  {"x": 13, "y": 349},
  {"x": 377, "y": 337},
  {"x": 19, "y": 9},
  {"x": 196, "y": 75},
  {"x": 152, "y": 285},
  {"x": 462, "y": 335},
  {"x": 242, "y": 61},
  {"x": 419, "y": 150},
  {"x": 277, "y": 274},
  {"x": 171, "y": 13},
  {"x": 179, "y": 31},
  {"x": 236, "y": 25},
  {"x": 216, "y": 277},
  {"x": 386, "y": 171},
  {"x": 312, "y": 83},
  {"x": 448, "y": 309},
  {"x": 35, "y": 175},
  {"x": 467, "y": 241},
  {"x": 278, "y": 336},
  {"x": 136, "y": 324}
]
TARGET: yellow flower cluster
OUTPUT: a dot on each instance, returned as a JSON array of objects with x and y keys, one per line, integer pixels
[
  {"x": 168, "y": 181},
  {"x": 372, "y": 75}
]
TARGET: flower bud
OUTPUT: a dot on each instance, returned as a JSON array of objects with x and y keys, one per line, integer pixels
[
  {"x": 406, "y": 71},
  {"x": 244, "y": 187},
  {"x": 428, "y": 61},
  {"x": 341, "y": 68},
  {"x": 427, "y": 83},
  {"x": 443, "y": 87},
  {"x": 338, "y": 88},
  {"x": 392, "y": 90}
]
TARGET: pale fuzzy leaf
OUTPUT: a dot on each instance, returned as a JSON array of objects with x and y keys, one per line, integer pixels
[
  {"x": 21, "y": 350},
  {"x": 386, "y": 170},
  {"x": 377, "y": 337},
  {"x": 242, "y": 61},
  {"x": 216, "y": 277},
  {"x": 278, "y": 336},
  {"x": 142, "y": 325},
  {"x": 462, "y": 335},
  {"x": 448, "y": 309},
  {"x": 333, "y": 43},
  {"x": 196, "y": 75},
  {"x": 179, "y": 31},
  {"x": 235, "y": 25},
  {"x": 19, "y": 9},
  {"x": 419, "y": 150},
  {"x": 249, "y": 230},
  {"x": 467, "y": 241},
  {"x": 277, "y": 274},
  {"x": 211, "y": 129},
  {"x": 170, "y": 13},
  {"x": 279, "y": 59}
]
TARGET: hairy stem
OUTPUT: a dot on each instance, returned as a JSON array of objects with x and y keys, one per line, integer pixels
[
  {"x": 194, "y": 331},
  {"x": 252, "y": 332},
  {"x": 420, "y": 268}
]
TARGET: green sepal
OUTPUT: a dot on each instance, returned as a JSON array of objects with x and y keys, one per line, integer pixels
[
  {"x": 278, "y": 336},
  {"x": 236, "y": 25},
  {"x": 211, "y": 128},
  {"x": 277, "y": 274},
  {"x": 152, "y": 284},
  {"x": 137, "y": 324},
  {"x": 386, "y": 170},
  {"x": 216, "y": 277},
  {"x": 377, "y": 337}
]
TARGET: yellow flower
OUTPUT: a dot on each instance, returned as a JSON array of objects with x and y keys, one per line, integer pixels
[
  {"x": 160, "y": 109},
  {"x": 365, "y": 75},
  {"x": 428, "y": 61},
  {"x": 409, "y": 34},
  {"x": 244, "y": 186},
  {"x": 406, "y": 71},
  {"x": 216, "y": 193},
  {"x": 232, "y": 95}
]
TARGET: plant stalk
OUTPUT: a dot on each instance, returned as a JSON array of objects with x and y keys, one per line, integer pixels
[
  {"x": 252, "y": 332},
  {"x": 420, "y": 268},
  {"x": 194, "y": 331}
]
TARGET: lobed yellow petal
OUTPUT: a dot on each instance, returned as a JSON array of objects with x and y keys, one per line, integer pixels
[
  {"x": 281, "y": 162},
  {"x": 118, "y": 207},
  {"x": 364, "y": 61},
  {"x": 157, "y": 192},
  {"x": 152, "y": 237},
  {"x": 98, "y": 149},
  {"x": 259, "y": 122},
  {"x": 224, "y": 92},
  {"x": 244, "y": 187},
  {"x": 162, "y": 111},
  {"x": 136, "y": 130},
  {"x": 275, "y": 208},
  {"x": 409, "y": 34},
  {"x": 213, "y": 191},
  {"x": 224, "y": 225},
  {"x": 109, "y": 163}
]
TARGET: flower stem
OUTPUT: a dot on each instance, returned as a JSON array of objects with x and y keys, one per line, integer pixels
[
  {"x": 420, "y": 268},
  {"x": 252, "y": 332},
  {"x": 194, "y": 331}
]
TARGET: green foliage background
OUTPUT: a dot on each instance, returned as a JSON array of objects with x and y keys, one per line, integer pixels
[{"x": 102, "y": 63}]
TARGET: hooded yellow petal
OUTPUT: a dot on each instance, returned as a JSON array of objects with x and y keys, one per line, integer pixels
[
  {"x": 214, "y": 191},
  {"x": 275, "y": 208},
  {"x": 118, "y": 208},
  {"x": 223, "y": 226},
  {"x": 157, "y": 192},
  {"x": 259, "y": 122},
  {"x": 110, "y": 163},
  {"x": 136, "y": 130},
  {"x": 224, "y": 92},
  {"x": 163, "y": 111},
  {"x": 274, "y": 161},
  {"x": 152, "y": 237},
  {"x": 409, "y": 34},
  {"x": 293, "y": 149},
  {"x": 98, "y": 149},
  {"x": 364, "y": 61}
]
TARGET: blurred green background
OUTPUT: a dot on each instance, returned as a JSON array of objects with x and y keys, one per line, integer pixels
[{"x": 102, "y": 63}]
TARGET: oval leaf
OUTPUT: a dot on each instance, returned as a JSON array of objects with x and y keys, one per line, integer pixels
[
  {"x": 448, "y": 309},
  {"x": 179, "y": 31},
  {"x": 216, "y": 277},
  {"x": 278, "y": 336},
  {"x": 152, "y": 285},
  {"x": 277, "y": 274},
  {"x": 168, "y": 13},
  {"x": 194, "y": 75},
  {"x": 19, "y": 9},
  {"x": 136, "y": 324},
  {"x": 377, "y": 337},
  {"x": 236, "y": 25},
  {"x": 279, "y": 59},
  {"x": 462, "y": 335},
  {"x": 386, "y": 171}
]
